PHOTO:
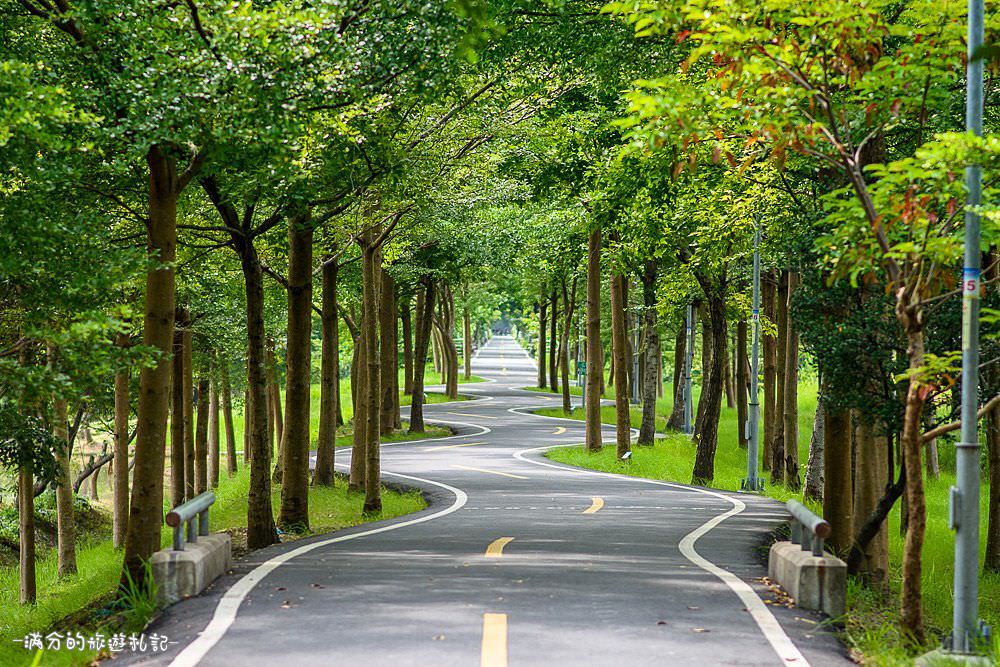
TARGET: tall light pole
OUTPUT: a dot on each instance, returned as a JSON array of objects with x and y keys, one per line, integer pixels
[
  {"x": 752, "y": 481},
  {"x": 966, "y": 632},
  {"x": 688, "y": 365}
]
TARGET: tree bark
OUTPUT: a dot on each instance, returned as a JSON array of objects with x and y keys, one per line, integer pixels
[
  {"x": 651, "y": 372},
  {"x": 543, "y": 309},
  {"x": 623, "y": 425},
  {"x": 838, "y": 483},
  {"x": 121, "y": 436},
  {"x": 407, "y": 325},
  {"x": 359, "y": 385},
  {"x": 707, "y": 367},
  {"x": 329, "y": 371},
  {"x": 227, "y": 414},
  {"x": 371, "y": 260},
  {"x": 814, "y": 467},
  {"x": 276, "y": 421},
  {"x": 791, "y": 395},
  {"x": 201, "y": 440},
  {"x": 188, "y": 403},
  {"x": 425, "y": 314},
  {"x": 177, "y": 417},
  {"x": 742, "y": 382},
  {"x": 595, "y": 354},
  {"x": 569, "y": 299},
  {"x": 65, "y": 524},
  {"x": 769, "y": 294},
  {"x": 704, "y": 464},
  {"x": 26, "y": 533},
  {"x": 553, "y": 342},
  {"x": 781, "y": 357},
  {"x": 730, "y": 389},
  {"x": 389, "y": 356},
  {"x": 676, "y": 419},
  {"x": 294, "y": 512},
  {"x": 467, "y": 340},
  {"x": 214, "y": 458},
  {"x": 872, "y": 466}
]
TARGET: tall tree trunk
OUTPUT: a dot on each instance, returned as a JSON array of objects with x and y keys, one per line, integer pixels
[
  {"x": 838, "y": 482},
  {"x": 651, "y": 374},
  {"x": 553, "y": 341},
  {"x": 188, "y": 387},
  {"x": 707, "y": 368},
  {"x": 781, "y": 357},
  {"x": 742, "y": 382},
  {"x": 371, "y": 260},
  {"x": 260, "y": 518},
  {"x": 991, "y": 562},
  {"x": 437, "y": 355},
  {"x": 177, "y": 418},
  {"x": 704, "y": 464},
  {"x": 227, "y": 414},
  {"x": 676, "y": 419},
  {"x": 595, "y": 353},
  {"x": 729, "y": 387},
  {"x": 146, "y": 504},
  {"x": 389, "y": 356},
  {"x": 872, "y": 466},
  {"x": 425, "y": 308},
  {"x": 120, "y": 465},
  {"x": 214, "y": 458},
  {"x": 276, "y": 421},
  {"x": 359, "y": 384},
  {"x": 791, "y": 394},
  {"x": 201, "y": 440},
  {"x": 65, "y": 524},
  {"x": 407, "y": 325},
  {"x": 329, "y": 371},
  {"x": 294, "y": 512},
  {"x": 467, "y": 340},
  {"x": 769, "y": 294},
  {"x": 623, "y": 425},
  {"x": 814, "y": 467},
  {"x": 26, "y": 532},
  {"x": 569, "y": 299}
]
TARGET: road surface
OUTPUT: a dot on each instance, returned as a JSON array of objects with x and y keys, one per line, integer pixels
[{"x": 517, "y": 561}]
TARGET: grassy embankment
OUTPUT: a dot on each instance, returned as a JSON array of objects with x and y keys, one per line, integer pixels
[{"x": 871, "y": 627}]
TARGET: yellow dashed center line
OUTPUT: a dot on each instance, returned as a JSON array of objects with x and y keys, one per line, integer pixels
[
  {"x": 596, "y": 503},
  {"x": 495, "y": 550},
  {"x": 464, "y": 444},
  {"x": 559, "y": 431},
  {"x": 491, "y": 472},
  {"x": 494, "y": 650},
  {"x": 468, "y": 414}
]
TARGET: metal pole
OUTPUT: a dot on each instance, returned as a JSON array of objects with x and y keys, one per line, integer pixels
[
  {"x": 688, "y": 364},
  {"x": 752, "y": 482},
  {"x": 965, "y": 495}
]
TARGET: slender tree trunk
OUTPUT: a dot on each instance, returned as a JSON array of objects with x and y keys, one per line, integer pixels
[
  {"x": 742, "y": 382},
  {"x": 276, "y": 421},
  {"x": 814, "y": 467},
  {"x": 730, "y": 389},
  {"x": 931, "y": 460},
  {"x": 838, "y": 482},
  {"x": 227, "y": 414},
  {"x": 707, "y": 368},
  {"x": 407, "y": 325},
  {"x": 201, "y": 440},
  {"x": 553, "y": 342},
  {"x": 769, "y": 294},
  {"x": 436, "y": 353},
  {"x": 370, "y": 297},
  {"x": 781, "y": 356},
  {"x": 260, "y": 518},
  {"x": 595, "y": 353},
  {"x": 146, "y": 504},
  {"x": 425, "y": 308},
  {"x": 872, "y": 477},
  {"x": 188, "y": 402},
  {"x": 623, "y": 425},
  {"x": 65, "y": 524},
  {"x": 177, "y": 418},
  {"x": 676, "y": 420},
  {"x": 651, "y": 374},
  {"x": 543, "y": 309},
  {"x": 791, "y": 411},
  {"x": 389, "y": 356},
  {"x": 359, "y": 383},
  {"x": 704, "y": 464},
  {"x": 120, "y": 465},
  {"x": 214, "y": 458},
  {"x": 330, "y": 369},
  {"x": 569, "y": 299},
  {"x": 26, "y": 533},
  {"x": 467, "y": 341}
]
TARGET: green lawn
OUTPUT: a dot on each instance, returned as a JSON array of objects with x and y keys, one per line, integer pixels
[{"x": 871, "y": 627}]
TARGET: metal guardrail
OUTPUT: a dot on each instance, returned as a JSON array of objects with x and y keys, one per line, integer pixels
[
  {"x": 185, "y": 514},
  {"x": 805, "y": 525}
]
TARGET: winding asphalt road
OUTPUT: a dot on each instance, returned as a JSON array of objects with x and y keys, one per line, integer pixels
[{"x": 517, "y": 561}]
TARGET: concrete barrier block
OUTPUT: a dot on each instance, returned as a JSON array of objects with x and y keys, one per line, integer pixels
[
  {"x": 814, "y": 582},
  {"x": 182, "y": 574}
]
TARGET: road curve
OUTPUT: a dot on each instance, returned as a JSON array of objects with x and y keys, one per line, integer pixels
[{"x": 517, "y": 561}]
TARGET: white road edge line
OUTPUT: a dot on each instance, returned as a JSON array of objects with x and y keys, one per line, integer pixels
[
  {"x": 768, "y": 624},
  {"x": 226, "y": 610}
]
